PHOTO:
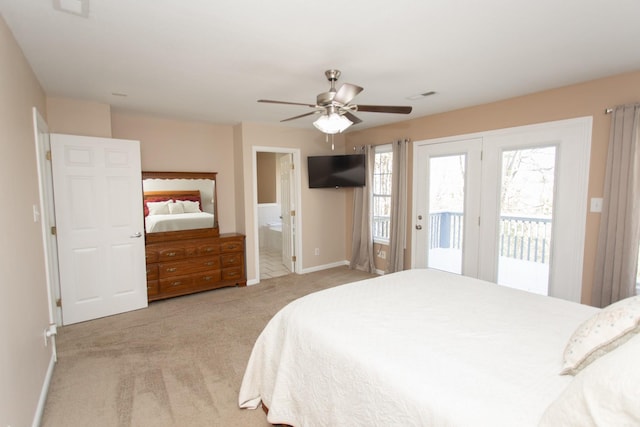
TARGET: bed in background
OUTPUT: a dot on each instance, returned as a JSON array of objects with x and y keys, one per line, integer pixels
[
  {"x": 428, "y": 348},
  {"x": 175, "y": 210}
]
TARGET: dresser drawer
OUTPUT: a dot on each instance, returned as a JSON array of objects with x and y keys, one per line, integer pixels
[
  {"x": 152, "y": 288},
  {"x": 150, "y": 256},
  {"x": 188, "y": 266},
  {"x": 231, "y": 246},
  {"x": 230, "y": 260},
  {"x": 176, "y": 284},
  {"x": 209, "y": 249},
  {"x": 171, "y": 253},
  {"x": 207, "y": 278},
  {"x": 232, "y": 273},
  {"x": 152, "y": 271}
]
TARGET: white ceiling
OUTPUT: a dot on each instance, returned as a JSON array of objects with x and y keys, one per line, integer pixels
[{"x": 212, "y": 59}]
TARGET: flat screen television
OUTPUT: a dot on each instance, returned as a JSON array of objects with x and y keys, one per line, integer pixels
[{"x": 336, "y": 171}]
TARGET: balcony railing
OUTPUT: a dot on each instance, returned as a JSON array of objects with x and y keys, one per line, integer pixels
[
  {"x": 381, "y": 227},
  {"x": 523, "y": 238}
]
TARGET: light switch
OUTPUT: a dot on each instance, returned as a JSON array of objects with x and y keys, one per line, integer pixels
[{"x": 596, "y": 204}]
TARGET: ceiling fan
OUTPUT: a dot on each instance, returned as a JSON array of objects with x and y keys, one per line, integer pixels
[{"x": 335, "y": 107}]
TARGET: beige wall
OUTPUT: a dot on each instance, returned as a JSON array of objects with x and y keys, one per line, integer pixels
[
  {"x": 266, "y": 170},
  {"x": 76, "y": 117},
  {"x": 180, "y": 145},
  {"x": 321, "y": 211},
  {"x": 24, "y": 312},
  {"x": 585, "y": 99}
]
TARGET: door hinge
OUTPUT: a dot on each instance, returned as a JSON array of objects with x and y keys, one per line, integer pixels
[
  {"x": 293, "y": 213},
  {"x": 481, "y": 154},
  {"x": 478, "y": 221},
  {"x": 48, "y": 155},
  {"x": 54, "y": 230},
  {"x": 293, "y": 166},
  {"x": 59, "y": 302},
  {"x": 293, "y": 258}
]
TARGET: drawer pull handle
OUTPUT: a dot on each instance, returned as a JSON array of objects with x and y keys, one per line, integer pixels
[
  {"x": 210, "y": 263},
  {"x": 171, "y": 270},
  {"x": 232, "y": 274},
  {"x": 207, "y": 278},
  {"x": 209, "y": 250},
  {"x": 176, "y": 283},
  {"x": 231, "y": 247},
  {"x": 171, "y": 254}
]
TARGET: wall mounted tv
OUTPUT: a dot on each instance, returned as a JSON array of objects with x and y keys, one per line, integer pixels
[{"x": 336, "y": 171}]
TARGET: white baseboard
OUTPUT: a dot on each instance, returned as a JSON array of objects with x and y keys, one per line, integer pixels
[
  {"x": 324, "y": 267},
  {"x": 37, "y": 418}
]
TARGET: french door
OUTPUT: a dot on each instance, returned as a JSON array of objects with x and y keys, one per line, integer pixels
[{"x": 505, "y": 206}]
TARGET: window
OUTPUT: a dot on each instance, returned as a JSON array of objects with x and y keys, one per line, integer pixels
[
  {"x": 382, "y": 193},
  {"x": 638, "y": 275}
]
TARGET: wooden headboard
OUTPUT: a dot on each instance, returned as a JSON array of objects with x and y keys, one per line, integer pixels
[{"x": 159, "y": 196}]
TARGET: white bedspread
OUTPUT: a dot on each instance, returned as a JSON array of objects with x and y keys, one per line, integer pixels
[
  {"x": 415, "y": 348},
  {"x": 178, "y": 222}
]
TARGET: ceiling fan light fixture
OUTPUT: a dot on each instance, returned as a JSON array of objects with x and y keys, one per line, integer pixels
[{"x": 332, "y": 123}]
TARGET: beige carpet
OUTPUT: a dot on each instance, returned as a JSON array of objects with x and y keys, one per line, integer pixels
[{"x": 177, "y": 363}]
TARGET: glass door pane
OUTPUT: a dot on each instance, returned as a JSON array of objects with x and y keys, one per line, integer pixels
[
  {"x": 526, "y": 207},
  {"x": 446, "y": 212}
]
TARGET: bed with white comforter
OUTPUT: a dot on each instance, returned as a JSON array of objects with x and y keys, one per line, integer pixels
[
  {"x": 177, "y": 222},
  {"x": 414, "y": 348}
]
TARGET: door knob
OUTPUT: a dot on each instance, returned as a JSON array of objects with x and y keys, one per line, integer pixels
[
  {"x": 137, "y": 235},
  {"x": 418, "y": 227}
]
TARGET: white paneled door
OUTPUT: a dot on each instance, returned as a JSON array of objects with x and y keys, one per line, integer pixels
[
  {"x": 99, "y": 221},
  {"x": 288, "y": 207}
]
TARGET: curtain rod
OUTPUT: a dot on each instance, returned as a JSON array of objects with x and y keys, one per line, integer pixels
[{"x": 608, "y": 110}]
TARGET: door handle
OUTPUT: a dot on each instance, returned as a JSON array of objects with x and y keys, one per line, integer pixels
[
  {"x": 418, "y": 227},
  {"x": 135, "y": 236}
]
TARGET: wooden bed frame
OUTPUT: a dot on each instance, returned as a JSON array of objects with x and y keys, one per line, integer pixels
[{"x": 171, "y": 194}]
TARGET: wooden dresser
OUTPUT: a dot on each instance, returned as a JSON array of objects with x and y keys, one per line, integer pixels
[{"x": 183, "y": 266}]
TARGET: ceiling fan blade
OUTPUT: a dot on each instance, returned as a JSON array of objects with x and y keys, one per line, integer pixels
[
  {"x": 384, "y": 109},
  {"x": 353, "y": 118},
  {"x": 297, "y": 117},
  {"x": 346, "y": 93},
  {"x": 285, "y": 102}
]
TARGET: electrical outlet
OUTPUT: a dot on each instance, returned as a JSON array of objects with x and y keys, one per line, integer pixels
[
  {"x": 382, "y": 254},
  {"x": 596, "y": 204},
  {"x": 317, "y": 251}
]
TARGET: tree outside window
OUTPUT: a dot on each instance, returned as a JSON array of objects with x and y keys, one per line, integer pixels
[{"x": 382, "y": 193}]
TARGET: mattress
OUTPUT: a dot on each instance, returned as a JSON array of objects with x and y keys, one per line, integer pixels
[
  {"x": 413, "y": 348},
  {"x": 178, "y": 222}
]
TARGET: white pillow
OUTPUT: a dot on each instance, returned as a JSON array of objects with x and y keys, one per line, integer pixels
[
  {"x": 603, "y": 332},
  {"x": 159, "y": 208},
  {"x": 190, "y": 206},
  {"x": 176, "y": 208},
  {"x": 605, "y": 393}
]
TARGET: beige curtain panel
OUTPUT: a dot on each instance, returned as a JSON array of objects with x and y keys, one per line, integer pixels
[
  {"x": 398, "y": 226},
  {"x": 362, "y": 239},
  {"x": 619, "y": 236}
]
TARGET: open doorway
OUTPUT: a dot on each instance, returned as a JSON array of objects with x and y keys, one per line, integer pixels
[{"x": 276, "y": 186}]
